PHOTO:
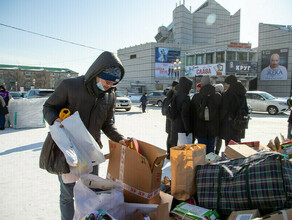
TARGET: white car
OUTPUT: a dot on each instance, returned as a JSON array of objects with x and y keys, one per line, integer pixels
[
  {"x": 123, "y": 102},
  {"x": 265, "y": 102}
]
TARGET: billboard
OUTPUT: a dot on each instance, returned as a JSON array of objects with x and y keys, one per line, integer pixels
[
  {"x": 217, "y": 69},
  {"x": 274, "y": 64},
  {"x": 241, "y": 67},
  {"x": 164, "y": 59}
]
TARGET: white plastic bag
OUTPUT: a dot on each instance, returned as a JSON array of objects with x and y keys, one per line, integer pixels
[
  {"x": 86, "y": 200},
  {"x": 81, "y": 137},
  {"x": 184, "y": 139}
]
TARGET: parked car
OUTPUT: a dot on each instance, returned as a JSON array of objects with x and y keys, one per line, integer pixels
[
  {"x": 16, "y": 95},
  {"x": 39, "y": 93},
  {"x": 156, "y": 97},
  {"x": 123, "y": 102},
  {"x": 265, "y": 102}
]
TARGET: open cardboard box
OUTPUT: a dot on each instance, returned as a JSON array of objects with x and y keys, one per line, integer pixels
[
  {"x": 139, "y": 173},
  {"x": 154, "y": 211}
]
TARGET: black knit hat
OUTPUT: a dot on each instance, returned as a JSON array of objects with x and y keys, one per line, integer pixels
[
  {"x": 231, "y": 80},
  {"x": 174, "y": 83}
]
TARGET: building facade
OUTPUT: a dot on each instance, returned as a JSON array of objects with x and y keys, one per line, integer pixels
[
  {"x": 205, "y": 42},
  {"x": 16, "y": 78}
]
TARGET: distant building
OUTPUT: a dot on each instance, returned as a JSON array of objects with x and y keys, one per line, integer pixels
[
  {"x": 204, "y": 42},
  {"x": 14, "y": 77}
]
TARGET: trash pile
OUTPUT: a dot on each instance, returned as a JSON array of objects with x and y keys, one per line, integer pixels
[{"x": 249, "y": 181}]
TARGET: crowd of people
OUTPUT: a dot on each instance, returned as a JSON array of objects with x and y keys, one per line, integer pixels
[{"x": 209, "y": 116}]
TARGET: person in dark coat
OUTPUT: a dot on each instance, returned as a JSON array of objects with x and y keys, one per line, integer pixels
[
  {"x": 169, "y": 95},
  {"x": 144, "y": 101},
  {"x": 206, "y": 127},
  {"x": 231, "y": 101},
  {"x": 289, "y": 134},
  {"x": 181, "y": 99},
  {"x": 5, "y": 94},
  {"x": 3, "y": 112},
  {"x": 93, "y": 96},
  {"x": 220, "y": 89}
]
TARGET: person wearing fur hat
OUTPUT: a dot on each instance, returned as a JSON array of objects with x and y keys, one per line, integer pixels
[
  {"x": 205, "y": 123},
  {"x": 233, "y": 98},
  {"x": 93, "y": 96}
]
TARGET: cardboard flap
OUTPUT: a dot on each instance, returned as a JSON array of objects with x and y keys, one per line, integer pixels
[{"x": 153, "y": 154}]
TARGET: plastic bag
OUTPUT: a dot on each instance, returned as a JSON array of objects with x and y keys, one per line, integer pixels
[
  {"x": 82, "y": 139},
  {"x": 184, "y": 139},
  {"x": 86, "y": 200}
]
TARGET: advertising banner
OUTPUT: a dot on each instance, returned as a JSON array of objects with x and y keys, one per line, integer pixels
[
  {"x": 217, "y": 69},
  {"x": 274, "y": 64},
  {"x": 241, "y": 67},
  {"x": 164, "y": 62}
]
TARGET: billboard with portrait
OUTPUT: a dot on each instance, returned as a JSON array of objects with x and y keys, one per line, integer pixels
[
  {"x": 217, "y": 69},
  {"x": 164, "y": 62},
  {"x": 274, "y": 64}
]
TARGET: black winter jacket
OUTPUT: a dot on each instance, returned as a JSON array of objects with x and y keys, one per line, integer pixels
[
  {"x": 201, "y": 128},
  {"x": 182, "y": 123},
  {"x": 230, "y": 105},
  {"x": 96, "y": 108}
]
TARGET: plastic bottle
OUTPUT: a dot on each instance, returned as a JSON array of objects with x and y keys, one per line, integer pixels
[{"x": 206, "y": 113}]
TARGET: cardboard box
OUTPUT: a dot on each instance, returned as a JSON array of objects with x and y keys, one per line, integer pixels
[
  {"x": 246, "y": 214},
  {"x": 139, "y": 173},
  {"x": 137, "y": 211},
  {"x": 279, "y": 215},
  {"x": 239, "y": 151}
]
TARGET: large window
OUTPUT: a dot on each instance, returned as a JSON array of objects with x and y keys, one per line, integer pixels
[
  {"x": 190, "y": 60},
  {"x": 200, "y": 59},
  {"x": 209, "y": 58},
  {"x": 231, "y": 55},
  {"x": 220, "y": 57},
  {"x": 242, "y": 56}
]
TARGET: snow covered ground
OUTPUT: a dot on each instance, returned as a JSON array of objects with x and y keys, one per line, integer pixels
[{"x": 27, "y": 192}]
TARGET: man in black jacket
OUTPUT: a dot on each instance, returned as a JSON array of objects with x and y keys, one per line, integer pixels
[
  {"x": 232, "y": 100},
  {"x": 93, "y": 96},
  {"x": 205, "y": 111}
]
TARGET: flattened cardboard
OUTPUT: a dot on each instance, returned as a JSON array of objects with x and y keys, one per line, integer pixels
[
  {"x": 239, "y": 151},
  {"x": 280, "y": 215},
  {"x": 141, "y": 171},
  {"x": 245, "y": 214}
]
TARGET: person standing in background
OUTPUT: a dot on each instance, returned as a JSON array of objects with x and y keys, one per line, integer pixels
[
  {"x": 144, "y": 101},
  {"x": 3, "y": 112},
  {"x": 220, "y": 89},
  {"x": 5, "y": 94},
  {"x": 289, "y": 134},
  {"x": 232, "y": 100},
  {"x": 204, "y": 111},
  {"x": 168, "y": 125},
  {"x": 181, "y": 103}
]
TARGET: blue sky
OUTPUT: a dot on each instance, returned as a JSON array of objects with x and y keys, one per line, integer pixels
[{"x": 106, "y": 25}]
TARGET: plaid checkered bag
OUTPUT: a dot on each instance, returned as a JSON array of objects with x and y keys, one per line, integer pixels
[{"x": 262, "y": 181}]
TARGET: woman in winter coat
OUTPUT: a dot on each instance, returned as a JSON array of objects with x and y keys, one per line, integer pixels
[
  {"x": 93, "y": 96},
  {"x": 232, "y": 100},
  {"x": 181, "y": 102}
]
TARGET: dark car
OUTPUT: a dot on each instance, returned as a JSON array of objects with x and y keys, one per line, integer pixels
[
  {"x": 156, "y": 97},
  {"x": 39, "y": 93}
]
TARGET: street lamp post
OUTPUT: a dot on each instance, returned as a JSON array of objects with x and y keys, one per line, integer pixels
[{"x": 177, "y": 68}]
